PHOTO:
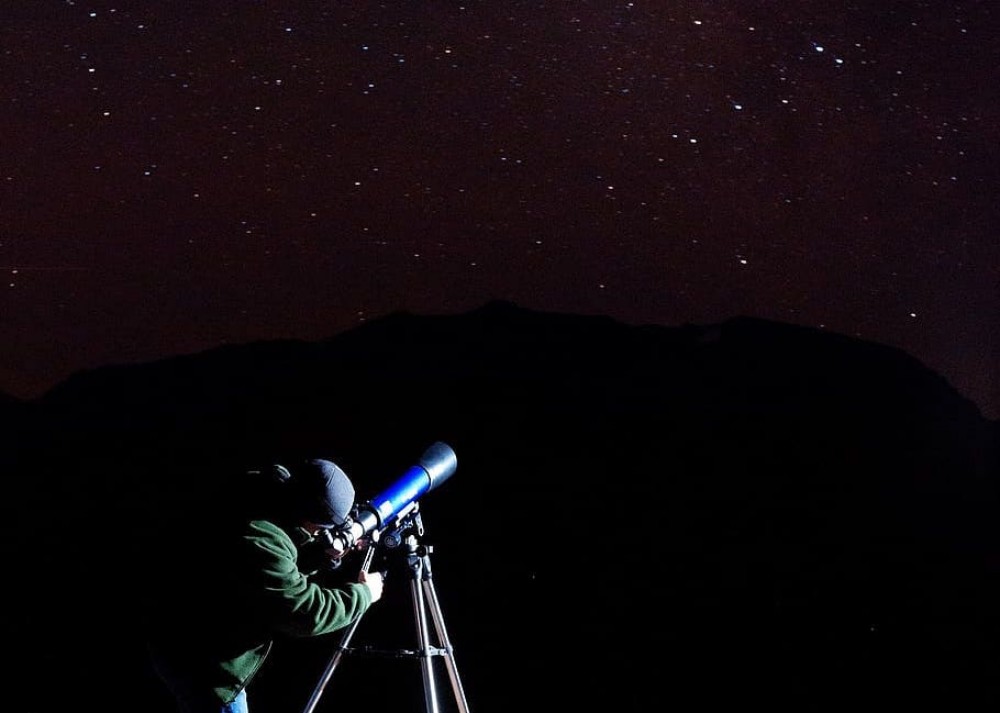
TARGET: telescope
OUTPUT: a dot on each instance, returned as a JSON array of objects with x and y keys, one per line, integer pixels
[
  {"x": 389, "y": 515},
  {"x": 394, "y": 503}
]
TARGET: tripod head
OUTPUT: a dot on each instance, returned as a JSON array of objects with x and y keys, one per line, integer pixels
[{"x": 409, "y": 526}]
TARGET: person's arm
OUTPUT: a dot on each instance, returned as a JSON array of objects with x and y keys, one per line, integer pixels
[{"x": 295, "y": 605}]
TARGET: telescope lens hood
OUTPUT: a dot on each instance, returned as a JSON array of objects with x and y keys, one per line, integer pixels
[{"x": 440, "y": 462}]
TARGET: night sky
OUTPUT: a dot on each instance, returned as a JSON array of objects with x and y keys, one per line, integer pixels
[{"x": 178, "y": 176}]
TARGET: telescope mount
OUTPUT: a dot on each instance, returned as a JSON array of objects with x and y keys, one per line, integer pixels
[{"x": 405, "y": 536}]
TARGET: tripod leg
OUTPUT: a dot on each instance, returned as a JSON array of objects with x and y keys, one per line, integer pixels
[
  {"x": 423, "y": 635},
  {"x": 330, "y": 667},
  {"x": 442, "y": 633},
  {"x": 341, "y": 649}
]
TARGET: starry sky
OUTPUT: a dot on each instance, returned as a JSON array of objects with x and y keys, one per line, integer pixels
[{"x": 179, "y": 176}]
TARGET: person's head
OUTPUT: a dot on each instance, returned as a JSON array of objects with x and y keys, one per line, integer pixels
[{"x": 319, "y": 493}]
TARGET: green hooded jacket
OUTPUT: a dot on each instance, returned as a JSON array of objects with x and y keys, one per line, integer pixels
[{"x": 227, "y": 597}]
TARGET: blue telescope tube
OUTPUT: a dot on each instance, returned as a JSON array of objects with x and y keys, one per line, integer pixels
[{"x": 435, "y": 466}]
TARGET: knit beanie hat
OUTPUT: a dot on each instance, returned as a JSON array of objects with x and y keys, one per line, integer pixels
[{"x": 320, "y": 492}]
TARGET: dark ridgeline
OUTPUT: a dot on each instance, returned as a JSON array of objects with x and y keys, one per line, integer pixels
[{"x": 692, "y": 518}]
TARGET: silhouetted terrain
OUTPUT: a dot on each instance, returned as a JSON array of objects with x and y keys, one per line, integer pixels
[{"x": 692, "y": 518}]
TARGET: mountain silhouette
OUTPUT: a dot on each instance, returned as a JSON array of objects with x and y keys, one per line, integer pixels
[{"x": 694, "y": 517}]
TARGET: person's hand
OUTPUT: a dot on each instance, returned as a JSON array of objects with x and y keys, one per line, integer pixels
[{"x": 374, "y": 582}]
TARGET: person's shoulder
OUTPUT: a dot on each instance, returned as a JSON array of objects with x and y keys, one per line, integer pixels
[
  {"x": 265, "y": 527},
  {"x": 269, "y": 532},
  {"x": 268, "y": 545}
]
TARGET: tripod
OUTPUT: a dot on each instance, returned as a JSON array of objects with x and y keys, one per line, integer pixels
[{"x": 425, "y": 600}]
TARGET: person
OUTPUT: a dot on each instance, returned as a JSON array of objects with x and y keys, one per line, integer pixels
[{"x": 236, "y": 575}]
